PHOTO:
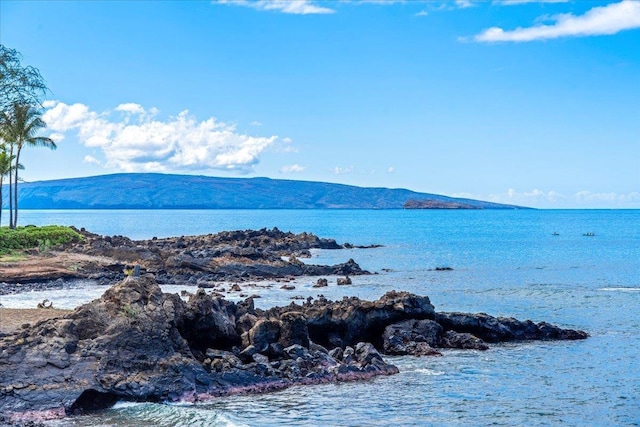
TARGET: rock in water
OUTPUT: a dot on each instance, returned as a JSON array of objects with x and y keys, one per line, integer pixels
[
  {"x": 137, "y": 343},
  {"x": 500, "y": 329},
  {"x": 415, "y": 337}
]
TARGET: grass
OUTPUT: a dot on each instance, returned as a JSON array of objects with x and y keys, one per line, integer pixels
[
  {"x": 31, "y": 237},
  {"x": 13, "y": 257}
]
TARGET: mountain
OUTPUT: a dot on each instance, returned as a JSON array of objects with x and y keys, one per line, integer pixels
[{"x": 160, "y": 191}]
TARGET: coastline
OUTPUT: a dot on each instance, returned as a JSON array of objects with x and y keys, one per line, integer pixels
[
  {"x": 135, "y": 341},
  {"x": 202, "y": 260}
]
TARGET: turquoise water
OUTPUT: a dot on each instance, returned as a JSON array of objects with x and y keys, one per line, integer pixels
[{"x": 504, "y": 263}]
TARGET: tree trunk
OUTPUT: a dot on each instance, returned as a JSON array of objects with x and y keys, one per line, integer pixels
[
  {"x": 10, "y": 202},
  {"x": 1, "y": 179},
  {"x": 15, "y": 190},
  {"x": 11, "y": 224}
]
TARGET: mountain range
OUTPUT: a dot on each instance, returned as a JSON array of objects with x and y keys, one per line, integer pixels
[{"x": 164, "y": 191}]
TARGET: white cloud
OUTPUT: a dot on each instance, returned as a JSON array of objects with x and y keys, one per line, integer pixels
[
  {"x": 463, "y": 4},
  {"x": 286, "y": 146},
  {"x": 554, "y": 199},
  {"x": 612, "y": 198},
  {"x": 382, "y": 2},
  {"x": 91, "y": 160},
  {"x": 342, "y": 171},
  {"x": 603, "y": 20},
  {"x": 422, "y": 13},
  {"x": 534, "y": 198},
  {"x": 57, "y": 137},
  {"x": 294, "y": 7},
  {"x": 62, "y": 117},
  {"x": 178, "y": 143},
  {"x": 256, "y": 123},
  {"x": 391, "y": 169},
  {"x": 292, "y": 169},
  {"x": 130, "y": 108},
  {"x": 517, "y": 2}
]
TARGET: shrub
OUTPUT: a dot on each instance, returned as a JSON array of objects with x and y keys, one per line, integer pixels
[{"x": 31, "y": 237}]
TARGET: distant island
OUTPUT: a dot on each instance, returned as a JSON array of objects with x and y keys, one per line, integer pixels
[
  {"x": 437, "y": 204},
  {"x": 165, "y": 191}
]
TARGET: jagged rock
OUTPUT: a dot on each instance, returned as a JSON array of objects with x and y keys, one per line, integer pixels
[
  {"x": 245, "y": 323},
  {"x": 293, "y": 329},
  {"x": 366, "y": 353},
  {"x": 125, "y": 345},
  {"x": 209, "y": 322},
  {"x": 200, "y": 260},
  {"x": 260, "y": 358},
  {"x": 415, "y": 337},
  {"x": 337, "y": 353},
  {"x": 465, "y": 341},
  {"x": 341, "y": 281},
  {"x": 205, "y": 259},
  {"x": 500, "y": 329},
  {"x": 352, "y": 320},
  {"x": 137, "y": 343},
  {"x": 321, "y": 283},
  {"x": 247, "y": 354},
  {"x": 264, "y": 333}
]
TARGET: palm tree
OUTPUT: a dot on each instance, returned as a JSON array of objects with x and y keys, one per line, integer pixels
[
  {"x": 6, "y": 167},
  {"x": 20, "y": 126}
]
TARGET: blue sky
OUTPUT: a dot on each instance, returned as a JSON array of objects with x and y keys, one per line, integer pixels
[{"x": 526, "y": 102}]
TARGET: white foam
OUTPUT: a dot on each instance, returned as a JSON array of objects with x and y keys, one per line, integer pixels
[
  {"x": 125, "y": 404},
  {"x": 621, "y": 289},
  {"x": 429, "y": 372}
]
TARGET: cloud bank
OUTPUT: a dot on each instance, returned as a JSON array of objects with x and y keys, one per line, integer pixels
[
  {"x": 554, "y": 199},
  {"x": 133, "y": 140},
  {"x": 603, "y": 20}
]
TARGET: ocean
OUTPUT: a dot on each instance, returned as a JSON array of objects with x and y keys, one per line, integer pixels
[{"x": 528, "y": 264}]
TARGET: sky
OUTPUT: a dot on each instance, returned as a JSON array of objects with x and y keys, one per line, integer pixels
[{"x": 535, "y": 103}]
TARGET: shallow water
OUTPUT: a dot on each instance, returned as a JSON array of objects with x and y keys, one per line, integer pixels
[{"x": 504, "y": 263}]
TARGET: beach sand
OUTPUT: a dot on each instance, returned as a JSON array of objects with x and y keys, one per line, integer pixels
[{"x": 12, "y": 319}]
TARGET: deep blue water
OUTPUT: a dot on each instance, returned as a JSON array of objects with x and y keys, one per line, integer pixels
[{"x": 504, "y": 263}]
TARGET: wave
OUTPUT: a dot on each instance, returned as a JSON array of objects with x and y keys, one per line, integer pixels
[{"x": 429, "y": 372}]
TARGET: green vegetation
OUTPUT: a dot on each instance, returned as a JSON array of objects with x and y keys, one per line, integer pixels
[
  {"x": 13, "y": 257},
  {"x": 21, "y": 91},
  {"x": 130, "y": 312},
  {"x": 19, "y": 127},
  {"x": 31, "y": 237}
]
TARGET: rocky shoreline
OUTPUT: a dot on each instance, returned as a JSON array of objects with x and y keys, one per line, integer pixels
[
  {"x": 136, "y": 343},
  {"x": 205, "y": 261}
]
